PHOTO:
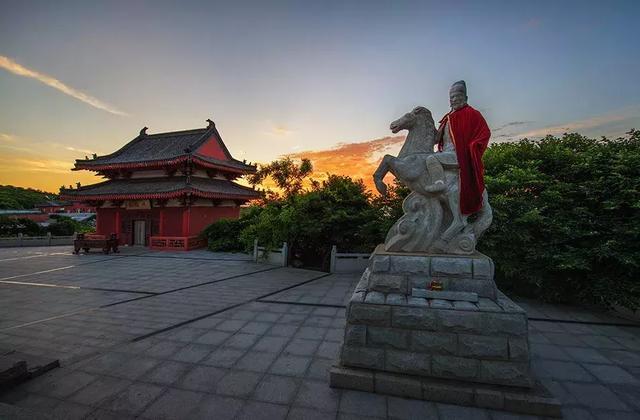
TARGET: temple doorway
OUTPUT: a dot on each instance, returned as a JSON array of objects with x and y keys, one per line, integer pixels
[{"x": 139, "y": 232}]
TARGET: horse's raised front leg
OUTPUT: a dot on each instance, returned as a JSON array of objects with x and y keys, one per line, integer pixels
[{"x": 378, "y": 175}]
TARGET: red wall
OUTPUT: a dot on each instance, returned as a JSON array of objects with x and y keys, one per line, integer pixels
[
  {"x": 78, "y": 206},
  {"x": 74, "y": 207},
  {"x": 106, "y": 221},
  {"x": 174, "y": 219},
  {"x": 212, "y": 149},
  {"x": 35, "y": 217}
]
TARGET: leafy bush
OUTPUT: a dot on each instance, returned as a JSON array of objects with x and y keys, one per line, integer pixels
[
  {"x": 12, "y": 227},
  {"x": 223, "y": 235},
  {"x": 566, "y": 218},
  {"x": 337, "y": 211}
]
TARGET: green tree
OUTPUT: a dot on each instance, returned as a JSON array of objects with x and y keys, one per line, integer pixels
[
  {"x": 566, "y": 218},
  {"x": 66, "y": 226},
  {"x": 12, "y": 227},
  {"x": 334, "y": 212},
  {"x": 17, "y": 198},
  {"x": 287, "y": 175}
]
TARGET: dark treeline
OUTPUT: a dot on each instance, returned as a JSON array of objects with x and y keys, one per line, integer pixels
[{"x": 17, "y": 198}]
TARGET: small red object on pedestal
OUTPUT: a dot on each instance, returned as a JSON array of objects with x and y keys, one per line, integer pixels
[{"x": 435, "y": 285}]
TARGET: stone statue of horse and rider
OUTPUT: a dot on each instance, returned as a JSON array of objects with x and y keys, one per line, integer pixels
[{"x": 433, "y": 221}]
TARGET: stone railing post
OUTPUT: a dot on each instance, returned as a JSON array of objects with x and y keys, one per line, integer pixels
[
  {"x": 285, "y": 254},
  {"x": 255, "y": 250},
  {"x": 48, "y": 238},
  {"x": 332, "y": 261},
  {"x": 19, "y": 239}
]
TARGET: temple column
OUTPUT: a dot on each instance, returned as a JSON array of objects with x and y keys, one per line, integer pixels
[
  {"x": 186, "y": 216},
  {"x": 98, "y": 221},
  {"x": 162, "y": 222},
  {"x": 117, "y": 223}
]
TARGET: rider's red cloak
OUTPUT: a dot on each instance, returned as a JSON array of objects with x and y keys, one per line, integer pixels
[{"x": 470, "y": 134}]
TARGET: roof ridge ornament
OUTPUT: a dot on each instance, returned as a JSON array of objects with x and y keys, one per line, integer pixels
[
  {"x": 143, "y": 132},
  {"x": 211, "y": 123}
]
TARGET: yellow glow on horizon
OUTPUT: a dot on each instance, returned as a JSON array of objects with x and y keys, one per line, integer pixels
[{"x": 22, "y": 168}]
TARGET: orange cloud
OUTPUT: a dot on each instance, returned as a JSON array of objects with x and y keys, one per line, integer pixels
[{"x": 357, "y": 160}]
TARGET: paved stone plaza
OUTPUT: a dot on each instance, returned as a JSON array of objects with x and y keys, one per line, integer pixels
[{"x": 209, "y": 335}]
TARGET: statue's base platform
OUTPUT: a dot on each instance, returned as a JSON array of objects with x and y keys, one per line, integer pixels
[
  {"x": 401, "y": 272},
  {"x": 468, "y": 336},
  {"x": 536, "y": 400}
]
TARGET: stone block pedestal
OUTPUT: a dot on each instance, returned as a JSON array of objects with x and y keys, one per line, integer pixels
[
  {"x": 401, "y": 272},
  {"x": 467, "y": 344}
]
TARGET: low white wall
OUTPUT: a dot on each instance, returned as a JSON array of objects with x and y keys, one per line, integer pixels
[
  {"x": 348, "y": 262},
  {"x": 275, "y": 256},
  {"x": 48, "y": 240}
]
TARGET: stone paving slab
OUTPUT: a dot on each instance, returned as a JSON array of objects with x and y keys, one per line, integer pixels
[
  {"x": 14, "y": 266},
  {"x": 294, "y": 373},
  {"x": 268, "y": 360},
  {"x": 97, "y": 326},
  {"x": 22, "y": 304},
  {"x": 548, "y": 311},
  {"x": 199, "y": 254},
  {"x": 140, "y": 274},
  {"x": 331, "y": 290}
]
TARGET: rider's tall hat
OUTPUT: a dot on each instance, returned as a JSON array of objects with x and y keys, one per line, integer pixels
[{"x": 460, "y": 85}]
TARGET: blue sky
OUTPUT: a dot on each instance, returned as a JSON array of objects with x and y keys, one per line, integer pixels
[{"x": 283, "y": 77}]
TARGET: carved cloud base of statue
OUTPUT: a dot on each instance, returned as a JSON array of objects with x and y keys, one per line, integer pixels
[{"x": 422, "y": 227}]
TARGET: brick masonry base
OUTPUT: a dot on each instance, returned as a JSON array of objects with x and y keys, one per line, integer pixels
[{"x": 536, "y": 400}]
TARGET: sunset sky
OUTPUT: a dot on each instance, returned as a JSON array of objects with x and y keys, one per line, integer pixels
[{"x": 316, "y": 79}]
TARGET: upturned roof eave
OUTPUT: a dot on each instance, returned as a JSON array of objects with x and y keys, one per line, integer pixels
[
  {"x": 148, "y": 164},
  {"x": 158, "y": 195}
]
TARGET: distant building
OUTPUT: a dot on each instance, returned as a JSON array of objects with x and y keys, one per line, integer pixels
[
  {"x": 164, "y": 189},
  {"x": 50, "y": 207},
  {"x": 35, "y": 215}
]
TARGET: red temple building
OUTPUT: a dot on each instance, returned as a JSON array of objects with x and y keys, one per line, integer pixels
[{"x": 163, "y": 189}]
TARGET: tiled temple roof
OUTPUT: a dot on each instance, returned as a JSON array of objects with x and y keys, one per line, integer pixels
[
  {"x": 161, "y": 149},
  {"x": 161, "y": 188}
]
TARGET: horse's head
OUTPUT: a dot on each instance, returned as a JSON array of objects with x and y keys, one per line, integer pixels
[{"x": 409, "y": 120}]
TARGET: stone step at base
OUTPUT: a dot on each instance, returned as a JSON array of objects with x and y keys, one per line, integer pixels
[{"x": 536, "y": 401}]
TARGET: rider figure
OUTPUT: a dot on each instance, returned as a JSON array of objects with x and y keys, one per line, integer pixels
[
  {"x": 446, "y": 155},
  {"x": 462, "y": 138}
]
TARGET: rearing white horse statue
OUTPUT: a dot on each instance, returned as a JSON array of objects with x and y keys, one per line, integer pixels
[{"x": 432, "y": 221}]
